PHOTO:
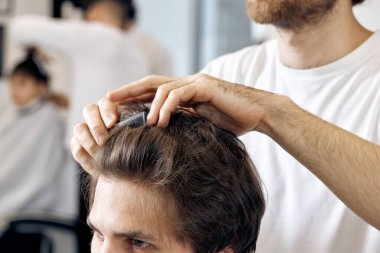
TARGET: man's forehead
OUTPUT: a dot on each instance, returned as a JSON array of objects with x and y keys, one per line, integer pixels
[
  {"x": 128, "y": 194},
  {"x": 122, "y": 205}
]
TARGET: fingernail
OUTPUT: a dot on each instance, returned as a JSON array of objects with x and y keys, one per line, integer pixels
[
  {"x": 109, "y": 120},
  {"x": 101, "y": 139},
  {"x": 160, "y": 124},
  {"x": 149, "y": 119}
]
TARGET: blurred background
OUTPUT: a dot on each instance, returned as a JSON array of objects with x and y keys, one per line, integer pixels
[{"x": 185, "y": 35}]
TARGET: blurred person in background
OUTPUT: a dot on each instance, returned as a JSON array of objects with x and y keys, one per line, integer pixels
[
  {"x": 33, "y": 176},
  {"x": 100, "y": 53},
  {"x": 101, "y": 56},
  {"x": 158, "y": 57}
]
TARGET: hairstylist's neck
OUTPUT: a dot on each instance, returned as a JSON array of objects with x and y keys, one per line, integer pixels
[{"x": 314, "y": 45}]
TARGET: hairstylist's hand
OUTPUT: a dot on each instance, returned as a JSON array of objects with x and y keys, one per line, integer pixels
[
  {"x": 230, "y": 106},
  {"x": 90, "y": 134}
]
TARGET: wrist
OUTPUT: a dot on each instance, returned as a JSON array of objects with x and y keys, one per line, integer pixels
[{"x": 277, "y": 112}]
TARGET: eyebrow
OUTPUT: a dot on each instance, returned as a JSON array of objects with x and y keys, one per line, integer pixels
[{"x": 130, "y": 234}]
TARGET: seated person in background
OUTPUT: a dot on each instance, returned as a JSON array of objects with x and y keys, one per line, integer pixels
[
  {"x": 190, "y": 187},
  {"x": 32, "y": 177},
  {"x": 98, "y": 49}
]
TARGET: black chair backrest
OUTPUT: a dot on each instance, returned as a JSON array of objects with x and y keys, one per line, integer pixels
[
  {"x": 32, "y": 235},
  {"x": 15, "y": 242}
]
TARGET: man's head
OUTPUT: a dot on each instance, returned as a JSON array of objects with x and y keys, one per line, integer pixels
[
  {"x": 189, "y": 187},
  {"x": 117, "y": 13},
  {"x": 290, "y": 14}
]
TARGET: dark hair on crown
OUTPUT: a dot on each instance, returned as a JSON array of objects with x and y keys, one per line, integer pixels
[
  {"x": 32, "y": 66},
  {"x": 130, "y": 9},
  {"x": 204, "y": 170},
  {"x": 355, "y": 2}
]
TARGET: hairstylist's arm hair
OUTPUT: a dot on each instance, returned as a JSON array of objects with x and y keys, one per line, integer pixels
[{"x": 347, "y": 164}]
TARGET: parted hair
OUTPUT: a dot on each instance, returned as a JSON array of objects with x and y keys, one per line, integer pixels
[{"x": 205, "y": 170}]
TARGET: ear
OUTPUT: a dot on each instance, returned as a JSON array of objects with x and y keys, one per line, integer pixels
[{"x": 227, "y": 250}]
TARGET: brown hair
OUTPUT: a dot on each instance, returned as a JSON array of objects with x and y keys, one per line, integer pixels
[{"x": 206, "y": 171}]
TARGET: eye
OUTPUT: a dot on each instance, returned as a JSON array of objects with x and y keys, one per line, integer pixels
[
  {"x": 139, "y": 244},
  {"x": 98, "y": 235}
]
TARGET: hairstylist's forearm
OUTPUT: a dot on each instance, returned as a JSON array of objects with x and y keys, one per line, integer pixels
[
  {"x": 347, "y": 164},
  {"x": 43, "y": 32}
]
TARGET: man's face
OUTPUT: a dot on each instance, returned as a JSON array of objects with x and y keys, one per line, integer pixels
[
  {"x": 102, "y": 13},
  {"x": 95, "y": 13},
  {"x": 130, "y": 217},
  {"x": 290, "y": 14}
]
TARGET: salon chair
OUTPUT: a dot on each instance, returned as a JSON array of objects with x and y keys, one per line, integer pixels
[{"x": 39, "y": 234}]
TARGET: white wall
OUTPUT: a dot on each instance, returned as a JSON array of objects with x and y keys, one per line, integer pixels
[
  {"x": 368, "y": 14},
  {"x": 224, "y": 27},
  {"x": 41, "y": 7},
  {"x": 174, "y": 23}
]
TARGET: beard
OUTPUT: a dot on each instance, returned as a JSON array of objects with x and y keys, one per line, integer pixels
[{"x": 289, "y": 14}]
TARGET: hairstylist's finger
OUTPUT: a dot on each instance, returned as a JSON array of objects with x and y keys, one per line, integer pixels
[
  {"x": 95, "y": 123},
  {"x": 161, "y": 96},
  {"x": 81, "y": 156},
  {"x": 140, "y": 87},
  {"x": 83, "y": 136},
  {"x": 176, "y": 97},
  {"x": 108, "y": 112},
  {"x": 199, "y": 88}
]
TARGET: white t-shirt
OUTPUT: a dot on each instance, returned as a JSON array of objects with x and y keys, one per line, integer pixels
[
  {"x": 102, "y": 57},
  {"x": 302, "y": 215},
  {"x": 34, "y": 174},
  {"x": 160, "y": 62}
]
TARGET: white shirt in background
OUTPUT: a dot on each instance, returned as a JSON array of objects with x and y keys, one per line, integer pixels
[
  {"x": 159, "y": 59},
  {"x": 102, "y": 58},
  {"x": 303, "y": 215},
  {"x": 34, "y": 174}
]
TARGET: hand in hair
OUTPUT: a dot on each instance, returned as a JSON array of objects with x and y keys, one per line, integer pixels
[
  {"x": 326, "y": 150},
  {"x": 233, "y": 107}
]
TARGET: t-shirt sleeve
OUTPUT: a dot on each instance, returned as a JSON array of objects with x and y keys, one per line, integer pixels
[
  {"x": 233, "y": 67},
  {"x": 215, "y": 67}
]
